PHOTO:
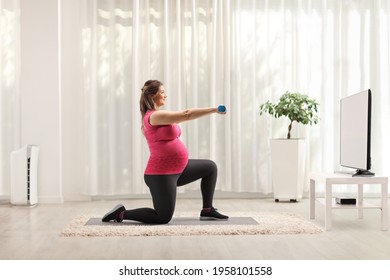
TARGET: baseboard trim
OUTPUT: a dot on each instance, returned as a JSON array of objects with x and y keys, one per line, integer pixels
[{"x": 50, "y": 199}]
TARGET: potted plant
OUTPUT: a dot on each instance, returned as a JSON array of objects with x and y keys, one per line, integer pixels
[{"x": 287, "y": 154}]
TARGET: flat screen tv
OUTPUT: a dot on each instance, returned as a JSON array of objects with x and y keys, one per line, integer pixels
[{"x": 355, "y": 133}]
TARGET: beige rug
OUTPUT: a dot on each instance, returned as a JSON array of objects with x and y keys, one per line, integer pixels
[{"x": 268, "y": 223}]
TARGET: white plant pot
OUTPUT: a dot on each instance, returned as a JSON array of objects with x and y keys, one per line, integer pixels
[{"x": 288, "y": 162}]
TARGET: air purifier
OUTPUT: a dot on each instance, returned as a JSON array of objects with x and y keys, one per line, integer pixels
[{"x": 24, "y": 173}]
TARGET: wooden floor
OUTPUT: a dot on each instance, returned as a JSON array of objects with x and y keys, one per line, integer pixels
[{"x": 33, "y": 233}]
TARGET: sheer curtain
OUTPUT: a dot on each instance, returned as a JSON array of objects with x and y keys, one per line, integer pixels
[
  {"x": 9, "y": 88},
  {"x": 239, "y": 53}
]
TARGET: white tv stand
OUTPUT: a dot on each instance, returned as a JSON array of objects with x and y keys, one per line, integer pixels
[{"x": 330, "y": 179}]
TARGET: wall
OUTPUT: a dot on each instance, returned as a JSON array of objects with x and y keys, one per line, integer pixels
[
  {"x": 72, "y": 103},
  {"x": 52, "y": 100},
  {"x": 40, "y": 92}
]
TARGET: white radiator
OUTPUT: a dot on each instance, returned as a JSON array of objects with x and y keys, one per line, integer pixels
[{"x": 24, "y": 173}]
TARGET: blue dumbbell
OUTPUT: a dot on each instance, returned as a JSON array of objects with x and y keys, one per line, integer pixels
[{"x": 221, "y": 109}]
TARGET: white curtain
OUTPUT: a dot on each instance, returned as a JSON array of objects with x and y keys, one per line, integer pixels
[
  {"x": 239, "y": 53},
  {"x": 9, "y": 88}
]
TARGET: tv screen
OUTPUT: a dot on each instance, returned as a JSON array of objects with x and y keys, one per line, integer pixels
[{"x": 355, "y": 132}]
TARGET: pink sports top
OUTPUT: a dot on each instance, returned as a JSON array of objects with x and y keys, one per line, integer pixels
[{"x": 168, "y": 155}]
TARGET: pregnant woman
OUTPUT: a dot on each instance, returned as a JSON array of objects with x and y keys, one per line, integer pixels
[{"x": 168, "y": 166}]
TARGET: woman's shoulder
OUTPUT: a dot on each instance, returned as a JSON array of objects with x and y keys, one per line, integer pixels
[
  {"x": 146, "y": 119},
  {"x": 149, "y": 113}
]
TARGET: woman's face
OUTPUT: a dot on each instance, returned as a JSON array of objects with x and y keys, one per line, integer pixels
[{"x": 159, "y": 98}]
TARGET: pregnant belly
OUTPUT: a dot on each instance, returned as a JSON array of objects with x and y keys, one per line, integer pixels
[{"x": 169, "y": 158}]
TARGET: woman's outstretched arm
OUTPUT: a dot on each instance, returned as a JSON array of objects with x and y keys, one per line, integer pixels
[{"x": 162, "y": 117}]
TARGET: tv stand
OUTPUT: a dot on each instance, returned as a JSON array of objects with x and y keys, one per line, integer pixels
[
  {"x": 363, "y": 173},
  {"x": 331, "y": 179}
]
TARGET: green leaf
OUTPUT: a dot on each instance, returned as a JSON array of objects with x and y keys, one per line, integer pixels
[{"x": 295, "y": 106}]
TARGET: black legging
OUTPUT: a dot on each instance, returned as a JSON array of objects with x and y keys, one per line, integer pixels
[{"x": 163, "y": 191}]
